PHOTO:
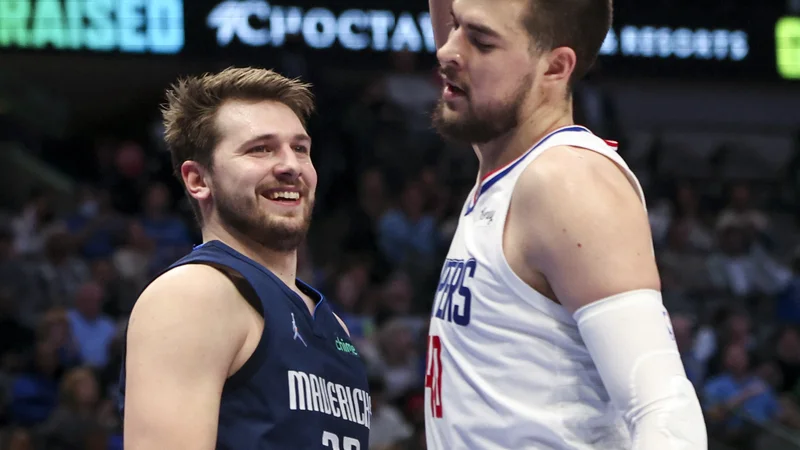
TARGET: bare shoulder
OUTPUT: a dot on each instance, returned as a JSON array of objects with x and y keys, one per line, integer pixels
[
  {"x": 589, "y": 232},
  {"x": 194, "y": 300},
  {"x": 569, "y": 173},
  {"x": 192, "y": 289}
]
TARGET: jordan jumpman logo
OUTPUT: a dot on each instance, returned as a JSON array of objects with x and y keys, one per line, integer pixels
[{"x": 297, "y": 332}]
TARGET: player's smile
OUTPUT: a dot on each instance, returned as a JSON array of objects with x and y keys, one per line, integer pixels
[{"x": 288, "y": 197}]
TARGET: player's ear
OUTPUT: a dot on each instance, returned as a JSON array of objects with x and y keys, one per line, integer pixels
[
  {"x": 560, "y": 64},
  {"x": 194, "y": 178}
]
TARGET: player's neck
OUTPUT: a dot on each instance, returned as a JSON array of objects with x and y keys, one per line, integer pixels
[
  {"x": 500, "y": 152},
  {"x": 282, "y": 264}
]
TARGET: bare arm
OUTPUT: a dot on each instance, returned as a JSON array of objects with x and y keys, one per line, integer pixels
[
  {"x": 594, "y": 241},
  {"x": 591, "y": 241},
  {"x": 440, "y": 20},
  {"x": 182, "y": 339}
]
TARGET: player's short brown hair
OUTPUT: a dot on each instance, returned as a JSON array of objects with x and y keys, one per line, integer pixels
[
  {"x": 190, "y": 112},
  {"x": 581, "y": 25}
]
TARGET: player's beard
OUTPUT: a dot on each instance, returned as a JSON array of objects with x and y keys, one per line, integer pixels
[
  {"x": 280, "y": 234},
  {"x": 477, "y": 127}
]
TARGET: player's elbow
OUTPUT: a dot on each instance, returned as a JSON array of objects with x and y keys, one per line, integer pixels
[{"x": 674, "y": 422}]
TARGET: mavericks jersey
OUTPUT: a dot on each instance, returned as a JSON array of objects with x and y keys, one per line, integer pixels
[
  {"x": 305, "y": 386},
  {"x": 507, "y": 368}
]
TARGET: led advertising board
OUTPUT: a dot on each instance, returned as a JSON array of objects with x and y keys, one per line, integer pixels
[{"x": 763, "y": 46}]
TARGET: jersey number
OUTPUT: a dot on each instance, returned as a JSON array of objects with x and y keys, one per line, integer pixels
[
  {"x": 331, "y": 441},
  {"x": 433, "y": 375}
]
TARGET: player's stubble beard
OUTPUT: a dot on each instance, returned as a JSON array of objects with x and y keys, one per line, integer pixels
[
  {"x": 478, "y": 127},
  {"x": 243, "y": 214}
]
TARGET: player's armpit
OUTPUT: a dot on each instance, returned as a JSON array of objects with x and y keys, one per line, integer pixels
[
  {"x": 182, "y": 338},
  {"x": 589, "y": 232}
]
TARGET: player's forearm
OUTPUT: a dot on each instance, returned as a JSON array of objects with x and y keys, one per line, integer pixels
[
  {"x": 440, "y": 20},
  {"x": 631, "y": 343}
]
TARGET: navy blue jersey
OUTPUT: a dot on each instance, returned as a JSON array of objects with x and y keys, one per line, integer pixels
[{"x": 305, "y": 386}]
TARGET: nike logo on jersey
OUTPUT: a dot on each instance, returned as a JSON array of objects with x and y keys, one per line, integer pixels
[
  {"x": 297, "y": 332},
  {"x": 453, "y": 301}
]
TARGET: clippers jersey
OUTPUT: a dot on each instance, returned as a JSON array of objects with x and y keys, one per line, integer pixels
[
  {"x": 507, "y": 368},
  {"x": 305, "y": 386}
]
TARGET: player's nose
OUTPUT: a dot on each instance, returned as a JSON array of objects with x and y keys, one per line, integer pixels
[
  {"x": 288, "y": 167},
  {"x": 449, "y": 54}
]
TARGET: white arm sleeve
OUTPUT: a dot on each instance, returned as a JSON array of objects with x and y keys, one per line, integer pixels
[{"x": 630, "y": 339}]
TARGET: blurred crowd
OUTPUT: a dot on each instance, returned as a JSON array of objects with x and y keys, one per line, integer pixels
[{"x": 389, "y": 197}]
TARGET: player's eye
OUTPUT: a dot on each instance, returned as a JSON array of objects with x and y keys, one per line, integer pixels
[
  {"x": 259, "y": 149},
  {"x": 301, "y": 149},
  {"x": 481, "y": 46}
]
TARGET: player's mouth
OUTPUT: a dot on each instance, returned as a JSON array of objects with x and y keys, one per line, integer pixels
[
  {"x": 452, "y": 92},
  {"x": 286, "y": 196}
]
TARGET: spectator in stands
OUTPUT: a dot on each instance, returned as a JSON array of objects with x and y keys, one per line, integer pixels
[
  {"x": 733, "y": 327},
  {"x": 348, "y": 294},
  {"x": 438, "y": 195},
  {"x": 683, "y": 204},
  {"x": 124, "y": 177},
  {"x": 364, "y": 217},
  {"x": 15, "y": 338},
  {"x": 788, "y": 359},
  {"x": 55, "y": 329},
  {"x": 387, "y": 424},
  {"x": 14, "y": 277},
  {"x": 78, "y": 412},
  {"x": 108, "y": 376},
  {"x": 34, "y": 393},
  {"x": 414, "y": 405},
  {"x": 35, "y": 224},
  {"x": 167, "y": 231},
  {"x": 397, "y": 302},
  {"x": 93, "y": 330},
  {"x": 740, "y": 209},
  {"x": 398, "y": 361},
  {"x": 683, "y": 329},
  {"x": 414, "y": 93},
  {"x": 18, "y": 438},
  {"x": 57, "y": 276},
  {"x": 787, "y": 308},
  {"x": 743, "y": 269},
  {"x": 406, "y": 233},
  {"x": 118, "y": 297},
  {"x": 133, "y": 260},
  {"x": 683, "y": 267},
  {"x": 94, "y": 225},
  {"x": 735, "y": 393}
]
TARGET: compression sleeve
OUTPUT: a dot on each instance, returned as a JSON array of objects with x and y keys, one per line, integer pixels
[{"x": 631, "y": 341}]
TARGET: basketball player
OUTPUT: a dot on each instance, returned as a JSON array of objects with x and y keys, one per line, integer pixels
[
  {"x": 548, "y": 329},
  {"x": 227, "y": 349}
]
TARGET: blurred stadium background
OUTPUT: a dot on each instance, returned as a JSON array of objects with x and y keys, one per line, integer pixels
[{"x": 704, "y": 97}]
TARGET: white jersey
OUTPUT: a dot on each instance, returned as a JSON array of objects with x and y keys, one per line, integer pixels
[{"x": 507, "y": 368}]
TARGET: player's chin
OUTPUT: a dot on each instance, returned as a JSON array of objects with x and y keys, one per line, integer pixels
[{"x": 454, "y": 105}]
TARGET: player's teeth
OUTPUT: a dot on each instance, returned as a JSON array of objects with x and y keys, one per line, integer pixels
[{"x": 285, "y": 195}]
